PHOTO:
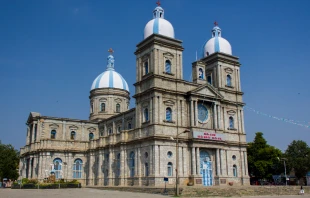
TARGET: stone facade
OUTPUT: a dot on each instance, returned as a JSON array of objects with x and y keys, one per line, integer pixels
[{"x": 203, "y": 119}]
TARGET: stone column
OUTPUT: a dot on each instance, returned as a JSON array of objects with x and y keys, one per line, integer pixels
[
  {"x": 99, "y": 164},
  {"x": 215, "y": 116},
  {"x": 242, "y": 123},
  {"x": 110, "y": 167},
  {"x": 241, "y": 165},
  {"x": 64, "y": 130},
  {"x": 217, "y": 162},
  {"x": 139, "y": 164},
  {"x": 224, "y": 119},
  {"x": 160, "y": 101},
  {"x": 221, "y": 162},
  {"x": 90, "y": 171},
  {"x": 35, "y": 161},
  {"x": 193, "y": 161},
  {"x": 122, "y": 166},
  {"x": 239, "y": 120},
  {"x": 151, "y": 169},
  {"x": 219, "y": 117},
  {"x": 151, "y": 111},
  {"x": 191, "y": 113},
  {"x": 196, "y": 112},
  {"x": 197, "y": 161},
  {"x": 245, "y": 157},
  {"x": 32, "y": 133}
]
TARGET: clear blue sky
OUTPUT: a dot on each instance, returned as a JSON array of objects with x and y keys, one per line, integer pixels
[{"x": 51, "y": 51}]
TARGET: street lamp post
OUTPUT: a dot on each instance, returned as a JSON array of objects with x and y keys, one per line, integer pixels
[
  {"x": 177, "y": 190},
  {"x": 284, "y": 159}
]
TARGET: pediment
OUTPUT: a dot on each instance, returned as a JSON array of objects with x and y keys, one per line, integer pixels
[
  {"x": 54, "y": 126},
  {"x": 73, "y": 127},
  {"x": 118, "y": 100},
  {"x": 228, "y": 70},
  {"x": 169, "y": 103},
  {"x": 231, "y": 112},
  {"x": 168, "y": 55},
  {"x": 91, "y": 129},
  {"x": 207, "y": 90},
  {"x": 103, "y": 99}
]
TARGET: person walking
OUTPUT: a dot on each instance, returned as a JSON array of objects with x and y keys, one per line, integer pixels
[{"x": 301, "y": 192}]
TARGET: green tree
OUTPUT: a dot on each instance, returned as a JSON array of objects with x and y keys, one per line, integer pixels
[
  {"x": 9, "y": 159},
  {"x": 262, "y": 158},
  {"x": 298, "y": 158}
]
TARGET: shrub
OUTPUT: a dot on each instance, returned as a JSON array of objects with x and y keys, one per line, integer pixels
[{"x": 25, "y": 180}]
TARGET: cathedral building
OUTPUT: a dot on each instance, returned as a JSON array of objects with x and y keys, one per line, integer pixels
[{"x": 193, "y": 129}]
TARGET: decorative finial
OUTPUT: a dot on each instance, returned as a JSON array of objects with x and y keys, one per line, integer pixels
[
  {"x": 215, "y": 23},
  {"x": 110, "y": 65},
  {"x": 158, "y": 3},
  {"x": 111, "y": 51}
]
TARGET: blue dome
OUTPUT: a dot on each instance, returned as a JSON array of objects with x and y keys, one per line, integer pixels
[
  {"x": 110, "y": 78},
  {"x": 158, "y": 25}
]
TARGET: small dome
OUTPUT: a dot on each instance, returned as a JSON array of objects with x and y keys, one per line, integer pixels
[
  {"x": 110, "y": 78},
  {"x": 158, "y": 25},
  {"x": 217, "y": 43}
]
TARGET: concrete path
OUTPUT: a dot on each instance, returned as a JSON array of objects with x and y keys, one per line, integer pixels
[
  {"x": 71, "y": 193},
  {"x": 93, "y": 193}
]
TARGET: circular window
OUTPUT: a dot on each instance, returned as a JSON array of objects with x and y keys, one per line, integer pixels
[
  {"x": 234, "y": 157},
  {"x": 202, "y": 113},
  {"x": 169, "y": 154},
  {"x": 146, "y": 155}
]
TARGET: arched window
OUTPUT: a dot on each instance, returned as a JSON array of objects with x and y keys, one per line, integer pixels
[
  {"x": 57, "y": 167},
  {"x": 72, "y": 135},
  {"x": 146, "y": 115},
  {"x": 146, "y": 68},
  {"x": 168, "y": 66},
  {"x": 200, "y": 75},
  {"x": 77, "y": 168},
  {"x": 102, "y": 106},
  {"x": 92, "y": 107},
  {"x": 228, "y": 80},
  {"x": 169, "y": 169},
  {"x": 118, "y": 108},
  {"x": 235, "y": 171},
  {"x": 102, "y": 131},
  {"x": 91, "y": 136},
  {"x": 209, "y": 79},
  {"x": 146, "y": 169},
  {"x": 129, "y": 125},
  {"x": 118, "y": 129},
  {"x": 110, "y": 131},
  {"x": 231, "y": 122},
  {"x": 118, "y": 165},
  {"x": 132, "y": 164},
  {"x": 53, "y": 134},
  {"x": 168, "y": 114}
]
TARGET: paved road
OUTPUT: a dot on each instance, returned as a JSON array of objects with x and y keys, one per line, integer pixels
[
  {"x": 93, "y": 193},
  {"x": 71, "y": 193}
]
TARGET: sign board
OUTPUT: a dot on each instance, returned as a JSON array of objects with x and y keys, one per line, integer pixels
[
  {"x": 165, "y": 179},
  {"x": 198, "y": 181},
  {"x": 208, "y": 135}
]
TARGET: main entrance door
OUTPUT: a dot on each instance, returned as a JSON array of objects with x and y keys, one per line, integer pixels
[{"x": 206, "y": 168}]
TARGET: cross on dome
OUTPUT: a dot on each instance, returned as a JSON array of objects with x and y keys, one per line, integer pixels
[
  {"x": 215, "y": 23},
  {"x": 111, "y": 51},
  {"x": 158, "y": 3}
]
